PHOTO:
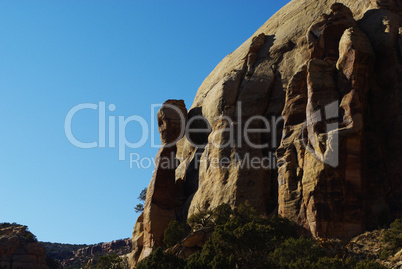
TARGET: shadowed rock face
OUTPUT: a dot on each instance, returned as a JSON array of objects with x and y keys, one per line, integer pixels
[
  {"x": 172, "y": 119},
  {"x": 160, "y": 202},
  {"x": 18, "y": 249},
  {"x": 327, "y": 78}
]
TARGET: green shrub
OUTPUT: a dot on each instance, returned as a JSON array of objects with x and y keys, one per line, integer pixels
[
  {"x": 175, "y": 232},
  {"x": 294, "y": 252},
  {"x": 30, "y": 238},
  {"x": 200, "y": 220},
  {"x": 221, "y": 214},
  {"x": 242, "y": 239},
  {"x": 52, "y": 263},
  {"x": 210, "y": 218},
  {"x": 112, "y": 261},
  {"x": 305, "y": 253},
  {"x": 7, "y": 224},
  {"x": 158, "y": 259},
  {"x": 329, "y": 263},
  {"x": 140, "y": 207},
  {"x": 143, "y": 195},
  {"x": 369, "y": 264},
  {"x": 393, "y": 236}
]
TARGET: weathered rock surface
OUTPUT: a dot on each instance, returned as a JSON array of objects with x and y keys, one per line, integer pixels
[
  {"x": 19, "y": 249},
  {"x": 325, "y": 185},
  {"x": 160, "y": 202},
  {"x": 193, "y": 243},
  {"x": 69, "y": 255},
  {"x": 120, "y": 247},
  {"x": 326, "y": 194},
  {"x": 368, "y": 245},
  {"x": 318, "y": 86}
]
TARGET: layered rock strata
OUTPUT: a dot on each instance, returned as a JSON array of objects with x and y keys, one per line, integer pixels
[
  {"x": 119, "y": 247},
  {"x": 325, "y": 142},
  {"x": 19, "y": 249}
]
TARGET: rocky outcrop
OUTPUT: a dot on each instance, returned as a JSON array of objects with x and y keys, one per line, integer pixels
[
  {"x": 193, "y": 243},
  {"x": 304, "y": 119},
  {"x": 120, "y": 247},
  {"x": 69, "y": 256},
  {"x": 20, "y": 249},
  {"x": 160, "y": 202}
]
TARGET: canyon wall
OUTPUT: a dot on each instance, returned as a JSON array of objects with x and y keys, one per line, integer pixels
[{"x": 304, "y": 119}]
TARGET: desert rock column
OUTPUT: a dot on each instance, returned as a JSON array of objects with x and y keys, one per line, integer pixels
[{"x": 160, "y": 201}]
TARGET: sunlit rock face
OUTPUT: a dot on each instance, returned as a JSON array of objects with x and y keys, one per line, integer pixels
[{"x": 316, "y": 94}]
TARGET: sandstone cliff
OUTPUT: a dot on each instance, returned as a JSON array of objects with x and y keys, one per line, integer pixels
[
  {"x": 318, "y": 87},
  {"x": 19, "y": 249}
]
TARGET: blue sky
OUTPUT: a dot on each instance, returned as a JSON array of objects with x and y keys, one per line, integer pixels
[{"x": 55, "y": 55}]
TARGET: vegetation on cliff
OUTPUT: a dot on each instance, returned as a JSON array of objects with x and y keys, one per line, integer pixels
[
  {"x": 29, "y": 237},
  {"x": 76, "y": 256},
  {"x": 393, "y": 236},
  {"x": 19, "y": 248},
  {"x": 140, "y": 207},
  {"x": 243, "y": 239},
  {"x": 175, "y": 232},
  {"x": 112, "y": 261}
]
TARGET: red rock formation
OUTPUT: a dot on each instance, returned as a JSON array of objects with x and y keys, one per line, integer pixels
[
  {"x": 19, "y": 249},
  {"x": 330, "y": 198},
  {"x": 160, "y": 201},
  {"x": 119, "y": 247},
  {"x": 336, "y": 79}
]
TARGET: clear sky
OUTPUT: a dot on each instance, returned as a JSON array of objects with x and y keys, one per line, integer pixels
[{"x": 55, "y": 55}]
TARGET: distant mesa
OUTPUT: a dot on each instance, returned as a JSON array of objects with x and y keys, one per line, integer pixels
[{"x": 19, "y": 248}]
